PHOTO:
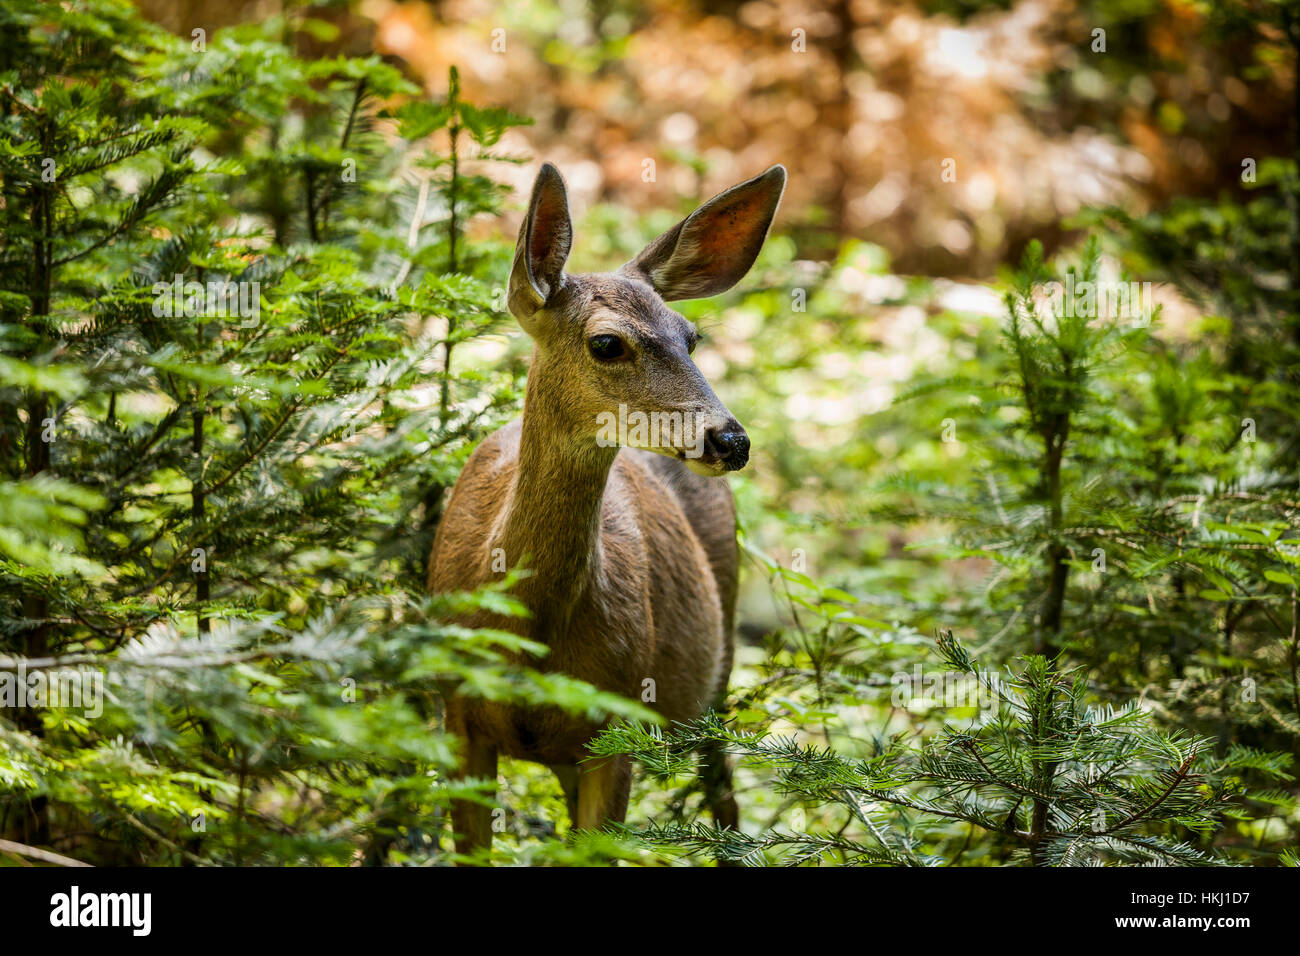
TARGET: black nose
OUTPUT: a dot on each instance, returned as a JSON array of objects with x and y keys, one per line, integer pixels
[{"x": 729, "y": 445}]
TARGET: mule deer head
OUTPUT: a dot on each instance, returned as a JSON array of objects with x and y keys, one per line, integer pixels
[{"x": 613, "y": 361}]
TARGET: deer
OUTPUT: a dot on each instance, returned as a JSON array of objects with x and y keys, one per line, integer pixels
[{"x": 628, "y": 536}]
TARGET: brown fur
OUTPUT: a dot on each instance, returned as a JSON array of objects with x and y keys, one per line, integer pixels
[{"x": 633, "y": 557}]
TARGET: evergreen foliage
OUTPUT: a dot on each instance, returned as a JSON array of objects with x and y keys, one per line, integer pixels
[
  {"x": 1045, "y": 778},
  {"x": 223, "y": 504},
  {"x": 248, "y": 339}
]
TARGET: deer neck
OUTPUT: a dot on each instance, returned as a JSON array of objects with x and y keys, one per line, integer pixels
[{"x": 552, "y": 517}]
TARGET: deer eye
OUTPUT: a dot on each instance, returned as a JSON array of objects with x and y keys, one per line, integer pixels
[{"x": 607, "y": 348}]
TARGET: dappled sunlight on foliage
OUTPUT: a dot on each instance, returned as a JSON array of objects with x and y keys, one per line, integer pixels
[{"x": 1018, "y": 530}]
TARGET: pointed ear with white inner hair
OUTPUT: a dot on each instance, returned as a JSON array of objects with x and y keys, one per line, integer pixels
[
  {"x": 545, "y": 240},
  {"x": 711, "y": 249}
]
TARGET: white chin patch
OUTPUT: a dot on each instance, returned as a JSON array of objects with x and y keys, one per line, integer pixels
[
  {"x": 697, "y": 465},
  {"x": 700, "y": 467}
]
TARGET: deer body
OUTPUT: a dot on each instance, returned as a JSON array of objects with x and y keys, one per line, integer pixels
[
  {"x": 631, "y": 550},
  {"x": 634, "y": 598}
]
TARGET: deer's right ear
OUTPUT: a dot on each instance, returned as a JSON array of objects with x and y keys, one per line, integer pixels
[{"x": 545, "y": 239}]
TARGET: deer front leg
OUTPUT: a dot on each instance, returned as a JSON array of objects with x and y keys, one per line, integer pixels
[
  {"x": 603, "y": 788},
  {"x": 473, "y": 821},
  {"x": 567, "y": 774}
]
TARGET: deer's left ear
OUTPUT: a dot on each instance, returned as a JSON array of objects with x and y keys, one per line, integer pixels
[{"x": 711, "y": 249}]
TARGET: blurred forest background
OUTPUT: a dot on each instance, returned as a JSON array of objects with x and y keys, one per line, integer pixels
[{"x": 1021, "y": 571}]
